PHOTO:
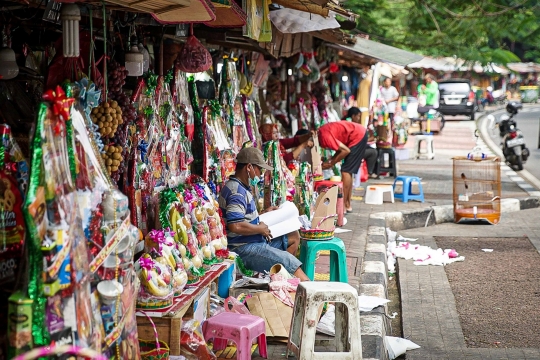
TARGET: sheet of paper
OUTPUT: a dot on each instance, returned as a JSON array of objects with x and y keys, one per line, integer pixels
[{"x": 283, "y": 220}]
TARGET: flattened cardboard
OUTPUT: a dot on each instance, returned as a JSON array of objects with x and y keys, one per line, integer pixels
[
  {"x": 276, "y": 314},
  {"x": 325, "y": 205},
  {"x": 316, "y": 161}
]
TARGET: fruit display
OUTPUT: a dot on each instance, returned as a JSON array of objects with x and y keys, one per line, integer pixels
[
  {"x": 156, "y": 289},
  {"x": 117, "y": 79},
  {"x": 108, "y": 116}
]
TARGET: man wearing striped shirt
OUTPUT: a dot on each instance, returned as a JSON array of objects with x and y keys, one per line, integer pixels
[{"x": 247, "y": 236}]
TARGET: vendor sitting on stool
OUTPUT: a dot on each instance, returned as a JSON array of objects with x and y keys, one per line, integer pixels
[{"x": 248, "y": 237}]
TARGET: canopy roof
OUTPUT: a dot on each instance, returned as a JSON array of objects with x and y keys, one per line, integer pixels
[
  {"x": 382, "y": 52},
  {"x": 456, "y": 64}
]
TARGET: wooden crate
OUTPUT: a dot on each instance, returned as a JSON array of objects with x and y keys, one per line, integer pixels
[{"x": 169, "y": 322}]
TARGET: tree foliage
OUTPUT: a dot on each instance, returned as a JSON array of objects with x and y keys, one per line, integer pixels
[{"x": 498, "y": 31}]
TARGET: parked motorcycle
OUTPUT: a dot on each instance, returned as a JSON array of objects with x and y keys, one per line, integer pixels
[{"x": 513, "y": 143}]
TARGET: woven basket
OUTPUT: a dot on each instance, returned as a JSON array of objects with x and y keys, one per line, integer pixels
[
  {"x": 317, "y": 234},
  {"x": 153, "y": 349}
]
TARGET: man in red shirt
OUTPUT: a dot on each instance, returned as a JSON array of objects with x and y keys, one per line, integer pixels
[{"x": 349, "y": 140}]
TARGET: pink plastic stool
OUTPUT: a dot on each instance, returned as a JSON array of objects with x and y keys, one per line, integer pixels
[{"x": 240, "y": 328}]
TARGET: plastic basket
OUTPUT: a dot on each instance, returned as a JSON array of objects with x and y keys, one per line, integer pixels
[
  {"x": 317, "y": 234},
  {"x": 153, "y": 349},
  {"x": 61, "y": 350}
]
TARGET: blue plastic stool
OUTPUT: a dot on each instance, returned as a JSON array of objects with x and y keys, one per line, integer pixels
[
  {"x": 338, "y": 258},
  {"x": 406, "y": 192}
]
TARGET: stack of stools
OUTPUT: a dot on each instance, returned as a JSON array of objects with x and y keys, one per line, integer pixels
[
  {"x": 338, "y": 258},
  {"x": 392, "y": 168},
  {"x": 309, "y": 297},
  {"x": 340, "y": 209},
  {"x": 406, "y": 192},
  {"x": 240, "y": 328},
  {"x": 430, "y": 152}
]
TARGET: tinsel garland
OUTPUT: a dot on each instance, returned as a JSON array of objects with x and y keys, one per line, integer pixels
[
  {"x": 166, "y": 198},
  {"x": 69, "y": 138},
  {"x": 198, "y": 141},
  {"x": 249, "y": 121},
  {"x": 271, "y": 151},
  {"x": 304, "y": 188},
  {"x": 40, "y": 334},
  {"x": 169, "y": 77},
  {"x": 242, "y": 267},
  {"x": 151, "y": 81}
]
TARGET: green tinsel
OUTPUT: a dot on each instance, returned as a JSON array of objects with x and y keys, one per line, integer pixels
[
  {"x": 242, "y": 267},
  {"x": 168, "y": 78},
  {"x": 35, "y": 257},
  {"x": 69, "y": 137},
  {"x": 151, "y": 81},
  {"x": 148, "y": 110},
  {"x": 215, "y": 107},
  {"x": 166, "y": 199}
]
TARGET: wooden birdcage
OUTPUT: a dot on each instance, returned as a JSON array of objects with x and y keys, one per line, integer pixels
[{"x": 477, "y": 189}]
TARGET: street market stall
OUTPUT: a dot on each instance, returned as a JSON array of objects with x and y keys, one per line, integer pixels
[{"x": 119, "y": 133}]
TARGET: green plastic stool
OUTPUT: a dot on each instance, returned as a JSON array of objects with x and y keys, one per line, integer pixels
[{"x": 338, "y": 258}]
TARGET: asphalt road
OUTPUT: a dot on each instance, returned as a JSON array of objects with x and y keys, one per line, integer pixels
[{"x": 528, "y": 121}]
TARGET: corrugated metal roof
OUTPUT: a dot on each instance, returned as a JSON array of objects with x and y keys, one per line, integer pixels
[{"x": 382, "y": 52}]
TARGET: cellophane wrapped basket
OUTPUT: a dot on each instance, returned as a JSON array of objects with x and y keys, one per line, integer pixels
[{"x": 316, "y": 233}]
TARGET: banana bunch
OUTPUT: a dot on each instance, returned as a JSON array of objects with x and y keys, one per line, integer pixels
[
  {"x": 153, "y": 283},
  {"x": 178, "y": 226}
]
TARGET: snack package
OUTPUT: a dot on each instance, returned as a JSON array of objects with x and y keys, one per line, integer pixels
[
  {"x": 192, "y": 343},
  {"x": 12, "y": 227},
  {"x": 19, "y": 324}
]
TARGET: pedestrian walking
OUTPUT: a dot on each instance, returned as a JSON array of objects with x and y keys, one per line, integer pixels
[{"x": 391, "y": 96}]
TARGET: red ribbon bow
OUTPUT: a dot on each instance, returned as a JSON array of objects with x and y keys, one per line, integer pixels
[{"x": 61, "y": 105}]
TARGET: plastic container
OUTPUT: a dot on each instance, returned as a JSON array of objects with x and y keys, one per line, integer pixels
[{"x": 225, "y": 281}]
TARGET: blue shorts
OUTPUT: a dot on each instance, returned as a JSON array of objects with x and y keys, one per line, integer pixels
[{"x": 261, "y": 256}]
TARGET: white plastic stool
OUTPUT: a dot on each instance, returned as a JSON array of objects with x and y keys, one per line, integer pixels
[
  {"x": 309, "y": 296},
  {"x": 430, "y": 153},
  {"x": 377, "y": 194}
]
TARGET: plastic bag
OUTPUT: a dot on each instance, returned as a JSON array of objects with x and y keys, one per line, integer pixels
[
  {"x": 398, "y": 346},
  {"x": 192, "y": 343},
  {"x": 194, "y": 57},
  {"x": 327, "y": 324},
  {"x": 233, "y": 305},
  {"x": 422, "y": 100}
]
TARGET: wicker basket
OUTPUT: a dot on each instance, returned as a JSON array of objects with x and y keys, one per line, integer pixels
[
  {"x": 317, "y": 234},
  {"x": 153, "y": 349}
]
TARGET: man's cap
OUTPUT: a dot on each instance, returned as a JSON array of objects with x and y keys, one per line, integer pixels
[{"x": 252, "y": 155}]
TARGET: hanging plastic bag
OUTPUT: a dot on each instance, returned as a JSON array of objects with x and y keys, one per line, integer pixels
[
  {"x": 194, "y": 57},
  {"x": 266, "y": 27}
]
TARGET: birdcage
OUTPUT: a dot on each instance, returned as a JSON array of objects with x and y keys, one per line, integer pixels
[{"x": 477, "y": 189}]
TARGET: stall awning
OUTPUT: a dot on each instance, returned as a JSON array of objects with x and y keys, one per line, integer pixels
[{"x": 382, "y": 52}]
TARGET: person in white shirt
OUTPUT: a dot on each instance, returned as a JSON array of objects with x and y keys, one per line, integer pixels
[{"x": 391, "y": 97}]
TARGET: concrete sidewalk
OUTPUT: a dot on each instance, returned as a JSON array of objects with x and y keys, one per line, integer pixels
[{"x": 366, "y": 242}]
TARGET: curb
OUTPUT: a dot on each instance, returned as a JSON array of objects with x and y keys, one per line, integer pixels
[
  {"x": 374, "y": 282},
  {"x": 410, "y": 219}
]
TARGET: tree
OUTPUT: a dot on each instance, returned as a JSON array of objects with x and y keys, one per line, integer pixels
[{"x": 498, "y": 31}]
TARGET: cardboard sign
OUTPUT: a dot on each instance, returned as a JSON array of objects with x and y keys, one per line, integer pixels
[{"x": 325, "y": 206}]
